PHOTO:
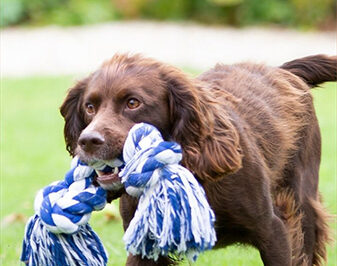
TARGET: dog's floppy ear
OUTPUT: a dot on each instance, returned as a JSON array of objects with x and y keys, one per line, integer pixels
[
  {"x": 209, "y": 140},
  {"x": 73, "y": 116},
  {"x": 186, "y": 119}
]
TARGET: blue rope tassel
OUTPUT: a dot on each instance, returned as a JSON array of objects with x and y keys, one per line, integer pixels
[{"x": 42, "y": 247}]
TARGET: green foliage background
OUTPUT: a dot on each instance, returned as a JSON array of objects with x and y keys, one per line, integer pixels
[{"x": 299, "y": 13}]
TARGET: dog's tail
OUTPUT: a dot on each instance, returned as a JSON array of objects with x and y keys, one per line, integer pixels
[{"x": 315, "y": 69}]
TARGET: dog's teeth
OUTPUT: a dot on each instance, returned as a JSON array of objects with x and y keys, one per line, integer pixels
[{"x": 116, "y": 170}]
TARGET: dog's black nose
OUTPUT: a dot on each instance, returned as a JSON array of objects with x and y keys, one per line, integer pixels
[{"x": 90, "y": 141}]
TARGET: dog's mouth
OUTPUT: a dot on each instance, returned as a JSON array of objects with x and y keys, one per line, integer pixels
[
  {"x": 107, "y": 173},
  {"x": 108, "y": 179}
]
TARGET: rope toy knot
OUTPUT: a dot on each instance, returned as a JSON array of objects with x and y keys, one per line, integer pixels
[
  {"x": 144, "y": 153},
  {"x": 66, "y": 205}
]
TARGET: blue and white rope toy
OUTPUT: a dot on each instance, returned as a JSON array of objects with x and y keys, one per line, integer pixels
[{"x": 173, "y": 215}]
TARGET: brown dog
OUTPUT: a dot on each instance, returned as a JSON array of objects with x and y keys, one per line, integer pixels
[{"x": 249, "y": 134}]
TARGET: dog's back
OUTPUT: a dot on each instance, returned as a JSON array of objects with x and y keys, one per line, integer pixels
[
  {"x": 276, "y": 113},
  {"x": 273, "y": 106}
]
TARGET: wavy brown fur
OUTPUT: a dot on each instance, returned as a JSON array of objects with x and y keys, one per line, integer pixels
[
  {"x": 292, "y": 217},
  {"x": 323, "y": 235},
  {"x": 212, "y": 147}
]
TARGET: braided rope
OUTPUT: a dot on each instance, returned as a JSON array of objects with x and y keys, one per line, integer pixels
[{"x": 66, "y": 205}]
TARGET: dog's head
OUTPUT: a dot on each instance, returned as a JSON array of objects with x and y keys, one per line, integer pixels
[{"x": 100, "y": 110}]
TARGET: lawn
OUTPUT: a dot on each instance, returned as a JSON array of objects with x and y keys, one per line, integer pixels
[{"x": 33, "y": 155}]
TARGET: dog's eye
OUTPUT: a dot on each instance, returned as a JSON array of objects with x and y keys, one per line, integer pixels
[
  {"x": 133, "y": 103},
  {"x": 90, "y": 108}
]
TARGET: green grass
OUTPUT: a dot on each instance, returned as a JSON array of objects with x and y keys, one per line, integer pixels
[{"x": 33, "y": 155}]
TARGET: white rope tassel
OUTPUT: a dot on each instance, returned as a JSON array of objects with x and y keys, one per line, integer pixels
[{"x": 173, "y": 215}]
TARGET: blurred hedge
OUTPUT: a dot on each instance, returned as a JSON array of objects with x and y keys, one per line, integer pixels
[{"x": 302, "y": 13}]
